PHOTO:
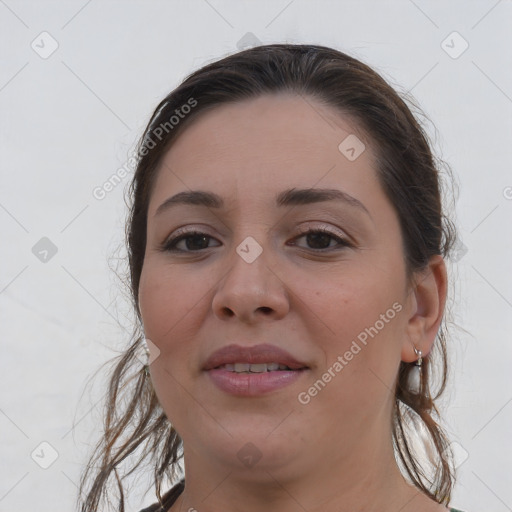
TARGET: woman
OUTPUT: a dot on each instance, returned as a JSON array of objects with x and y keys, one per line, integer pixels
[{"x": 286, "y": 244}]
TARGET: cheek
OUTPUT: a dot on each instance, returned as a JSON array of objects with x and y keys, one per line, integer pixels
[
  {"x": 354, "y": 301},
  {"x": 174, "y": 304},
  {"x": 166, "y": 297},
  {"x": 170, "y": 304},
  {"x": 361, "y": 358},
  {"x": 153, "y": 301},
  {"x": 364, "y": 313}
]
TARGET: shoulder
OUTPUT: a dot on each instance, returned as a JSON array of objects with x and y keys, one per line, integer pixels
[{"x": 168, "y": 499}]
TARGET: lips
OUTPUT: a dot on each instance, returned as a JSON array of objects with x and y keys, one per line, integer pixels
[{"x": 257, "y": 354}]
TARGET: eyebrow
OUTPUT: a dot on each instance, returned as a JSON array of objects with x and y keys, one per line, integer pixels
[{"x": 290, "y": 197}]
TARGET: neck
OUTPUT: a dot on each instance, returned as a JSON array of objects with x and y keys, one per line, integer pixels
[{"x": 365, "y": 478}]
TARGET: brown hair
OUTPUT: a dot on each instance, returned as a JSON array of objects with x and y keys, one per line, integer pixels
[{"x": 409, "y": 175}]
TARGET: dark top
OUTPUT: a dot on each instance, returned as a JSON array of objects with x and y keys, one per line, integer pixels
[
  {"x": 172, "y": 494},
  {"x": 168, "y": 498}
]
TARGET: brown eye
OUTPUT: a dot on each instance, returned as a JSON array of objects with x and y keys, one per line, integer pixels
[
  {"x": 322, "y": 237},
  {"x": 318, "y": 239},
  {"x": 194, "y": 241}
]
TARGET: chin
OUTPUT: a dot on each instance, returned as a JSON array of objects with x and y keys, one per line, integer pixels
[{"x": 250, "y": 452}]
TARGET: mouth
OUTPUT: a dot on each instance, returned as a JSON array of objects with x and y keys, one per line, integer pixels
[
  {"x": 254, "y": 359},
  {"x": 256, "y": 368},
  {"x": 248, "y": 383},
  {"x": 252, "y": 371}
]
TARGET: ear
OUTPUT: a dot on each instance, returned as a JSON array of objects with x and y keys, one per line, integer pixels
[{"x": 425, "y": 307}]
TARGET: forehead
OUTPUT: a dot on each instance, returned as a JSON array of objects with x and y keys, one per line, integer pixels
[{"x": 269, "y": 142}]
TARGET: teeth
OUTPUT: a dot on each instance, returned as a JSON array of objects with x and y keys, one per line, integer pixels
[{"x": 254, "y": 368}]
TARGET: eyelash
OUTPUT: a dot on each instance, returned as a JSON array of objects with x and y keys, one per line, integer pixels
[{"x": 170, "y": 244}]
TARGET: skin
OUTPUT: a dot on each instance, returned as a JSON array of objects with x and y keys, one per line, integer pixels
[{"x": 334, "y": 453}]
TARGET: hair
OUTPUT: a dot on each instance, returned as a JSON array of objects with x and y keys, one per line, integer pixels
[{"x": 411, "y": 178}]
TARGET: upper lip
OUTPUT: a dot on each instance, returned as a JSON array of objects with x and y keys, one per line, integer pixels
[{"x": 264, "y": 353}]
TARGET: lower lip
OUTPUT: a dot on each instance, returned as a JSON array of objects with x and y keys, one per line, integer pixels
[{"x": 252, "y": 384}]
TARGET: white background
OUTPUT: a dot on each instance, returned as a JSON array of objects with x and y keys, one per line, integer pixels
[{"x": 70, "y": 120}]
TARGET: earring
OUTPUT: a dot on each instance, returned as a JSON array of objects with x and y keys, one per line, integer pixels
[
  {"x": 414, "y": 378},
  {"x": 146, "y": 351}
]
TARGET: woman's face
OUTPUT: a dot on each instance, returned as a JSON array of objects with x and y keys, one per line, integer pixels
[{"x": 339, "y": 308}]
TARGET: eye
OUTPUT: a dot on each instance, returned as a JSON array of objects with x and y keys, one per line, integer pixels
[
  {"x": 195, "y": 237},
  {"x": 320, "y": 236},
  {"x": 196, "y": 241}
]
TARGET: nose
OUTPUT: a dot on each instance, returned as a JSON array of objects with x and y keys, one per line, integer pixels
[{"x": 251, "y": 291}]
